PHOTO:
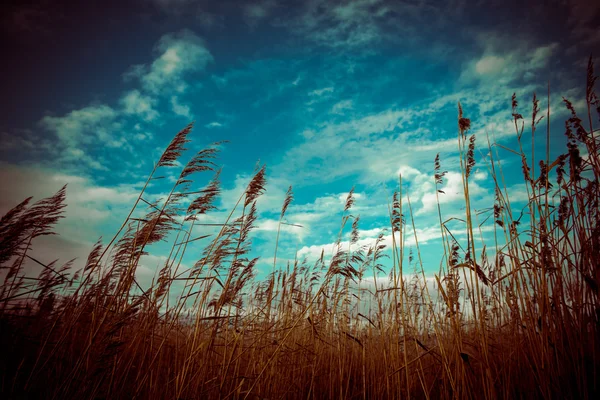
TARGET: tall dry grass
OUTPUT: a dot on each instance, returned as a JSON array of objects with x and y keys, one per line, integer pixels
[{"x": 513, "y": 317}]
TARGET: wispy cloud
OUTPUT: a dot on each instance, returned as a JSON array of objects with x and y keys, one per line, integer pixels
[
  {"x": 354, "y": 24},
  {"x": 369, "y": 146},
  {"x": 321, "y": 92},
  {"x": 341, "y": 107},
  {"x": 255, "y": 12},
  {"x": 350, "y": 23}
]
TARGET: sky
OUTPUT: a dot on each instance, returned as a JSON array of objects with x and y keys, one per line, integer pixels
[{"x": 329, "y": 95}]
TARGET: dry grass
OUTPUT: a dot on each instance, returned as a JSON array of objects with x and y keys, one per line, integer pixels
[{"x": 514, "y": 317}]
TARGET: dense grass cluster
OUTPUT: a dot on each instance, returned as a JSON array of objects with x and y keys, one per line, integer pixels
[{"x": 515, "y": 317}]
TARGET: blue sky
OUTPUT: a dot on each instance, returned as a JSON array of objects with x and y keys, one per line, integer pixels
[{"x": 328, "y": 94}]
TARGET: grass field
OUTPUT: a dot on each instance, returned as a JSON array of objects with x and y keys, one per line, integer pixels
[{"x": 515, "y": 317}]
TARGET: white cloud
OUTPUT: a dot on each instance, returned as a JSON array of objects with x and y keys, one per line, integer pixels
[
  {"x": 341, "y": 106},
  {"x": 92, "y": 126},
  {"x": 518, "y": 193},
  {"x": 272, "y": 225},
  {"x": 330, "y": 204},
  {"x": 501, "y": 65},
  {"x": 99, "y": 127},
  {"x": 370, "y": 232},
  {"x": 409, "y": 172},
  {"x": 424, "y": 235},
  {"x": 214, "y": 124},
  {"x": 88, "y": 204},
  {"x": 270, "y": 201},
  {"x": 490, "y": 65},
  {"x": 83, "y": 125},
  {"x": 179, "y": 54},
  {"x": 135, "y": 103},
  {"x": 91, "y": 209},
  {"x": 181, "y": 109},
  {"x": 453, "y": 191},
  {"x": 371, "y": 146},
  {"x": 321, "y": 92}
]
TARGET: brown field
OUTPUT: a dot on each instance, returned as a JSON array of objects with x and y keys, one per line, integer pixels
[{"x": 515, "y": 317}]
